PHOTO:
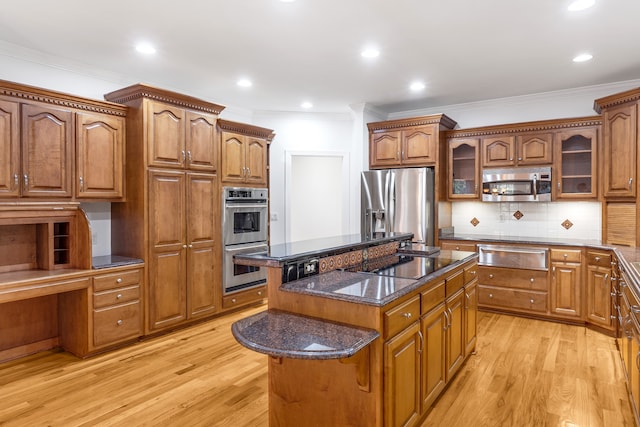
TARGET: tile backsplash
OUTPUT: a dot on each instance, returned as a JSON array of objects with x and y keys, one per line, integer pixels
[{"x": 529, "y": 219}]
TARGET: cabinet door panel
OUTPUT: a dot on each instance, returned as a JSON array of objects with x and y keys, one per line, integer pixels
[
  {"x": 599, "y": 302},
  {"x": 201, "y": 211},
  {"x": 167, "y": 288},
  {"x": 202, "y": 286},
  {"x": 201, "y": 141},
  {"x": 455, "y": 333},
  {"x": 166, "y": 209},
  {"x": 256, "y": 161},
  {"x": 384, "y": 149},
  {"x": 401, "y": 378},
  {"x": 100, "y": 149},
  {"x": 46, "y": 151},
  {"x": 433, "y": 356},
  {"x": 166, "y": 135},
  {"x": 233, "y": 158},
  {"x": 565, "y": 290},
  {"x": 620, "y": 135},
  {"x": 464, "y": 169},
  {"x": 470, "y": 316},
  {"x": 9, "y": 149},
  {"x": 499, "y": 151},
  {"x": 535, "y": 149},
  {"x": 419, "y": 146}
]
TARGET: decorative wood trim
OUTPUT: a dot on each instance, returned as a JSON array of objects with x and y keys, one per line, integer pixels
[
  {"x": 137, "y": 91},
  {"x": 616, "y": 99},
  {"x": 22, "y": 205},
  {"x": 440, "y": 119},
  {"x": 246, "y": 129},
  {"x": 32, "y": 93},
  {"x": 32, "y": 348},
  {"x": 542, "y": 125}
]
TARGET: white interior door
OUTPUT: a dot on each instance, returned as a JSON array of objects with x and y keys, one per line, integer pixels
[{"x": 317, "y": 195}]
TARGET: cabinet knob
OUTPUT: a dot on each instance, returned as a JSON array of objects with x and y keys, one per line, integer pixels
[
  {"x": 25, "y": 178},
  {"x": 472, "y": 272},
  {"x": 184, "y": 246},
  {"x": 119, "y": 322},
  {"x": 531, "y": 301},
  {"x": 630, "y": 182},
  {"x": 565, "y": 256},
  {"x": 190, "y": 246},
  {"x": 490, "y": 276},
  {"x": 457, "y": 248},
  {"x": 119, "y": 296},
  {"x": 490, "y": 295},
  {"x": 233, "y": 300},
  {"x": 519, "y": 159},
  {"x": 119, "y": 280},
  {"x": 597, "y": 259},
  {"x": 16, "y": 181},
  {"x": 532, "y": 280},
  {"x": 407, "y": 315},
  {"x": 259, "y": 292},
  {"x": 81, "y": 179},
  {"x": 184, "y": 156}
]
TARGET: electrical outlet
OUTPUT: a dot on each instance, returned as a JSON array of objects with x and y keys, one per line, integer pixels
[{"x": 274, "y": 216}]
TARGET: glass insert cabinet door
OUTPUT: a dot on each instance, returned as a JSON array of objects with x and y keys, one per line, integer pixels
[
  {"x": 464, "y": 169},
  {"x": 576, "y": 176}
]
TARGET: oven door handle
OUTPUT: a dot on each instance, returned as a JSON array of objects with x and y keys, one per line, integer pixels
[{"x": 246, "y": 205}]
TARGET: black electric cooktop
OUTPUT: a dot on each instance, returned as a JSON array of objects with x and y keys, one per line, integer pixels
[{"x": 405, "y": 266}]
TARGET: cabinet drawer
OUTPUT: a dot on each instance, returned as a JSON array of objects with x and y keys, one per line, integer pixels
[
  {"x": 470, "y": 273},
  {"x": 512, "y": 299},
  {"x": 244, "y": 297},
  {"x": 514, "y": 278},
  {"x": 401, "y": 316},
  {"x": 458, "y": 246},
  {"x": 116, "y": 296},
  {"x": 454, "y": 282},
  {"x": 116, "y": 280},
  {"x": 601, "y": 259},
  {"x": 566, "y": 255},
  {"x": 112, "y": 325},
  {"x": 432, "y": 297}
]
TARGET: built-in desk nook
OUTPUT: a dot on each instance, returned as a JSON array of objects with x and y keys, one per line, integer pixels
[{"x": 361, "y": 332}]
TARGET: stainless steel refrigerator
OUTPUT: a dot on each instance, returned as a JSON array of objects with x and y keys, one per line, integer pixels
[{"x": 398, "y": 200}]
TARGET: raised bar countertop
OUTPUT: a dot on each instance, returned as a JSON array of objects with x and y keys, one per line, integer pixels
[
  {"x": 281, "y": 334},
  {"x": 278, "y": 255}
]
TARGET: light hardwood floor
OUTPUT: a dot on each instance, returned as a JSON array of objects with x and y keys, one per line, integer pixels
[{"x": 525, "y": 373}]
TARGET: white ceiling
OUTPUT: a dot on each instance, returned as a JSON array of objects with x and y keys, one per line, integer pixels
[{"x": 463, "y": 50}]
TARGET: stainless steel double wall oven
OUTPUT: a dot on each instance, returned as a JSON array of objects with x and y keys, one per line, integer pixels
[{"x": 244, "y": 229}]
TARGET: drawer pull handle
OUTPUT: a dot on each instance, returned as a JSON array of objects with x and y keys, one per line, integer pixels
[
  {"x": 119, "y": 322},
  {"x": 472, "y": 272},
  {"x": 119, "y": 280},
  {"x": 406, "y": 315},
  {"x": 118, "y": 296}
]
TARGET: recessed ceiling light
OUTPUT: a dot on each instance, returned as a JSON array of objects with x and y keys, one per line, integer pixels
[
  {"x": 581, "y": 5},
  {"x": 287, "y": 1},
  {"x": 145, "y": 48},
  {"x": 416, "y": 86},
  {"x": 244, "y": 83},
  {"x": 583, "y": 57},
  {"x": 306, "y": 104},
  {"x": 370, "y": 53}
]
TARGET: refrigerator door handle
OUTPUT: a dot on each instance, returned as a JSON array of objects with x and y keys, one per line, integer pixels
[{"x": 391, "y": 202}]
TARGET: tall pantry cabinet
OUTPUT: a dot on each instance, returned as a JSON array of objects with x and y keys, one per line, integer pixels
[{"x": 172, "y": 215}]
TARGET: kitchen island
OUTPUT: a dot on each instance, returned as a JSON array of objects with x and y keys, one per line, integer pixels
[{"x": 365, "y": 332}]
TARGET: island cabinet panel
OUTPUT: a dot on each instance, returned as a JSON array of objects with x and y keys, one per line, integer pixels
[
  {"x": 455, "y": 352},
  {"x": 47, "y": 151},
  {"x": 402, "y": 377},
  {"x": 9, "y": 148},
  {"x": 100, "y": 156},
  {"x": 433, "y": 326},
  {"x": 470, "y": 316}
]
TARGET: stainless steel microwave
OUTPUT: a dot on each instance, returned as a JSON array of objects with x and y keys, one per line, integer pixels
[{"x": 516, "y": 185}]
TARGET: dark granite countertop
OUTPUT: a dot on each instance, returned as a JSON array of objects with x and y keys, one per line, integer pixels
[
  {"x": 497, "y": 238},
  {"x": 107, "y": 261},
  {"x": 375, "y": 288},
  {"x": 281, "y": 334},
  {"x": 278, "y": 255}
]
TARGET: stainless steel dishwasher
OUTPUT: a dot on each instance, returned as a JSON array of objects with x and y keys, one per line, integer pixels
[{"x": 513, "y": 257}]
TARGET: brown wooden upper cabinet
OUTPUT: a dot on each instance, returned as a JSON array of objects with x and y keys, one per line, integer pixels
[
  {"x": 620, "y": 151},
  {"x": 181, "y": 139},
  {"x": 99, "y": 156},
  {"x": 521, "y": 149},
  {"x": 575, "y": 173},
  {"x": 245, "y": 154},
  {"x": 464, "y": 168},
  {"x": 49, "y": 143},
  {"x": 407, "y": 142},
  {"x": 415, "y": 146}
]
